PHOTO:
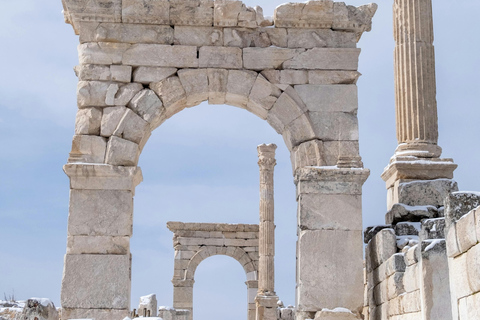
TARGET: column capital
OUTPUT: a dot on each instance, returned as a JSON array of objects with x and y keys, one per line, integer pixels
[
  {"x": 103, "y": 176},
  {"x": 266, "y": 156}
]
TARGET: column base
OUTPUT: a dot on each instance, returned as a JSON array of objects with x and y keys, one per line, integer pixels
[
  {"x": 266, "y": 307},
  {"x": 418, "y": 149}
]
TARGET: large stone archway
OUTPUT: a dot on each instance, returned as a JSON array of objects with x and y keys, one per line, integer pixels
[
  {"x": 194, "y": 242},
  {"x": 141, "y": 63}
]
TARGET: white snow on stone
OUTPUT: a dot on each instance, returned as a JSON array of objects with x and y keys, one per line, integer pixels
[
  {"x": 433, "y": 243},
  {"x": 338, "y": 309},
  {"x": 165, "y": 308},
  {"x": 44, "y": 302},
  {"x": 146, "y": 299}
]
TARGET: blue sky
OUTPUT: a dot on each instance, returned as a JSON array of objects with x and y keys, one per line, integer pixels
[{"x": 201, "y": 164}]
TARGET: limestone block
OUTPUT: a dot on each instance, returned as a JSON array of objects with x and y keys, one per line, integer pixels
[
  {"x": 267, "y": 58},
  {"x": 334, "y": 125},
  {"x": 293, "y": 77},
  {"x": 298, "y": 131},
  {"x": 88, "y": 121},
  {"x": 262, "y": 97},
  {"x": 247, "y": 17},
  {"x": 466, "y": 233},
  {"x": 198, "y": 36},
  {"x": 411, "y": 280},
  {"x": 159, "y": 55},
  {"x": 458, "y": 204},
  {"x": 90, "y": 72},
  {"x": 93, "y": 93},
  {"x": 195, "y": 83},
  {"x": 401, "y": 212},
  {"x": 395, "y": 285},
  {"x": 469, "y": 307},
  {"x": 133, "y": 128},
  {"x": 217, "y": 85},
  {"x": 324, "y": 285},
  {"x": 381, "y": 248},
  {"x": 331, "y": 98},
  {"x": 126, "y": 33},
  {"x": 453, "y": 249},
  {"x": 239, "y": 86},
  {"x": 149, "y": 303},
  {"x": 333, "y": 211},
  {"x": 421, "y": 193},
  {"x": 172, "y": 94},
  {"x": 407, "y": 228},
  {"x": 98, "y": 245},
  {"x": 357, "y": 19},
  {"x": 126, "y": 92},
  {"x": 309, "y": 153},
  {"x": 335, "y": 149},
  {"x": 100, "y": 213},
  {"x": 320, "y": 38},
  {"x": 459, "y": 280},
  {"x": 110, "y": 120},
  {"x": 151, "y": 12},
  {"x": 410, "y": 303},
  {"x": 105, "y": 10},
  {"x": 97, "y": 314},
  {"x": 89, "y": 149},
  {"x": 147, "y": 105},
  {"x": 220, "y": 57},
  {"x": 283, "y": 112},
  {"x": 244, "y": 38},
  {"x": 226, "y": 12},
  {"x": 39, "y": 309},
  {"x": 312, "y": 14},
  {"x": 147, "y": 75},
  {"x": 325, "y": 58},
  {"x": 96, "y": 281},
  {"x": 473, "y": 268},
  {"x": 433, "y": 229},
  {"x": 106, "y": 53},
  {"x": 326, "y": 77},
  {"x": 277, "y": 36},
  {"x": 187, "y": 12},
  {"x": 121, "y": 152},
  {"x": 372, "y": 231},
  {"x": 335, "y": 314}
]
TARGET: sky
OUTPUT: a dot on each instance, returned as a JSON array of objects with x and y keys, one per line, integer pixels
[{"x": 200, "y": 165}]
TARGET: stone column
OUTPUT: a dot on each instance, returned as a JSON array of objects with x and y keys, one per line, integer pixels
[
  {"x": 415, "y": 100},
  {"x": 183, "y": 295},
  {"x": 266, "y": 299},
  {"x": 96, "y": 278}
]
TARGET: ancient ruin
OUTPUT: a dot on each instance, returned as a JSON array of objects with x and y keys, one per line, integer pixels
[{"x": 143, "y": 61}]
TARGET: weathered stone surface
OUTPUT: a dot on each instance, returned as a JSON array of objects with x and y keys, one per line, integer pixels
[
  {"x": 331, "y": 98},
  {"x": 325, "y": 77},
  {"x": 298, "y": 131},
  {"x": 459, "y": 282},
  {"x": 97, "y": 314},
  {"x": 458, "y": 204},
  {"x": 96, "y": 281},
  {"x": 262, "y": 96},
  {"x": 244, "y": 38},
  {"x": 125, "y": 93},
  {"x": 148, "y": 305},
  {"x": 110, "y": 120},
  {"x": 172, "y": 94},
  {"x": 433, "y": 229},
  {"x": 423, "y": 193},
  {"x": 336, "y": 149},
  {"x": 473, "y": 268},
  {"x": 267, "y": 58},
  {"x": 401, "y": 212},
  {"x": 283, "y": 112},
  {"x": 335, "y": 314},
  {"x": 217, "y": 85},
  {"x": 195, "y": 83},
  {"x": 336, "y": 212},
  {"x": 466, "y": 233},
  {"x": 98, "y": 245},
  {"x": 126, "y": 33},
  {"x": 147, "y": 75},
  {"x": 312, "y": 14},
  {"x": 469, "y": 307},
  {"x": 239, "y": 86},
  {"x": 93, "y": 93},
  {"x": 407, "y": 228},
  {"x": 151, "y": 12},
  {"x": 226, "y": 13},
  {"x": 372, "y": 231},
  {"x": 309, "y": 153},
  {"x": 334, "y": 125},
  {"x": 158, "y": 55},
  {"x": 88, "y": 121},
  {"x": 220, "y": 57},
  {"x": 380, "y": 248},
  {"x": 197, "y": 13},
  {"x": 90, "y": 72},
  {"x": 39, "y": 309},
  {"x": 198, "y": 36},
  {"x": 103, "y": 10},
  {"x": 121, "y": 152},
  {"x": 133, "y": 128},
  {"x": 100, "y": 213},
  {"x": 148, "y": 106},
  {"x": 325, "y": 58},
  {"x": 101, "y": 52},
  {"x": 89, "y": 149},
  {"x": 453, "y": 249},
  {"x": 320, "y": 38},
  {"x": 316, "y": 279}
]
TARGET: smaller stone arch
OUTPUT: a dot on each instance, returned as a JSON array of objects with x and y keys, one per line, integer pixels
[{"x": 194, "y": 242}]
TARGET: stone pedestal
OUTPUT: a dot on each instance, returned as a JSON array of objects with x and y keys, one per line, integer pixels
[
  {"x": 183, "y": 295},
  {"x": 96, "y": 276},
  {"x": 329, "y": 249}
]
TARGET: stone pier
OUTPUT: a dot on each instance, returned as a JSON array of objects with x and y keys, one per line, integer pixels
[{"x": 266, "y": 299}]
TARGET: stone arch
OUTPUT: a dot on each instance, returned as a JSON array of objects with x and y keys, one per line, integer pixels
[
  {"x": 195, "y": 242},
  {"x": 139, "y": 66}
]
